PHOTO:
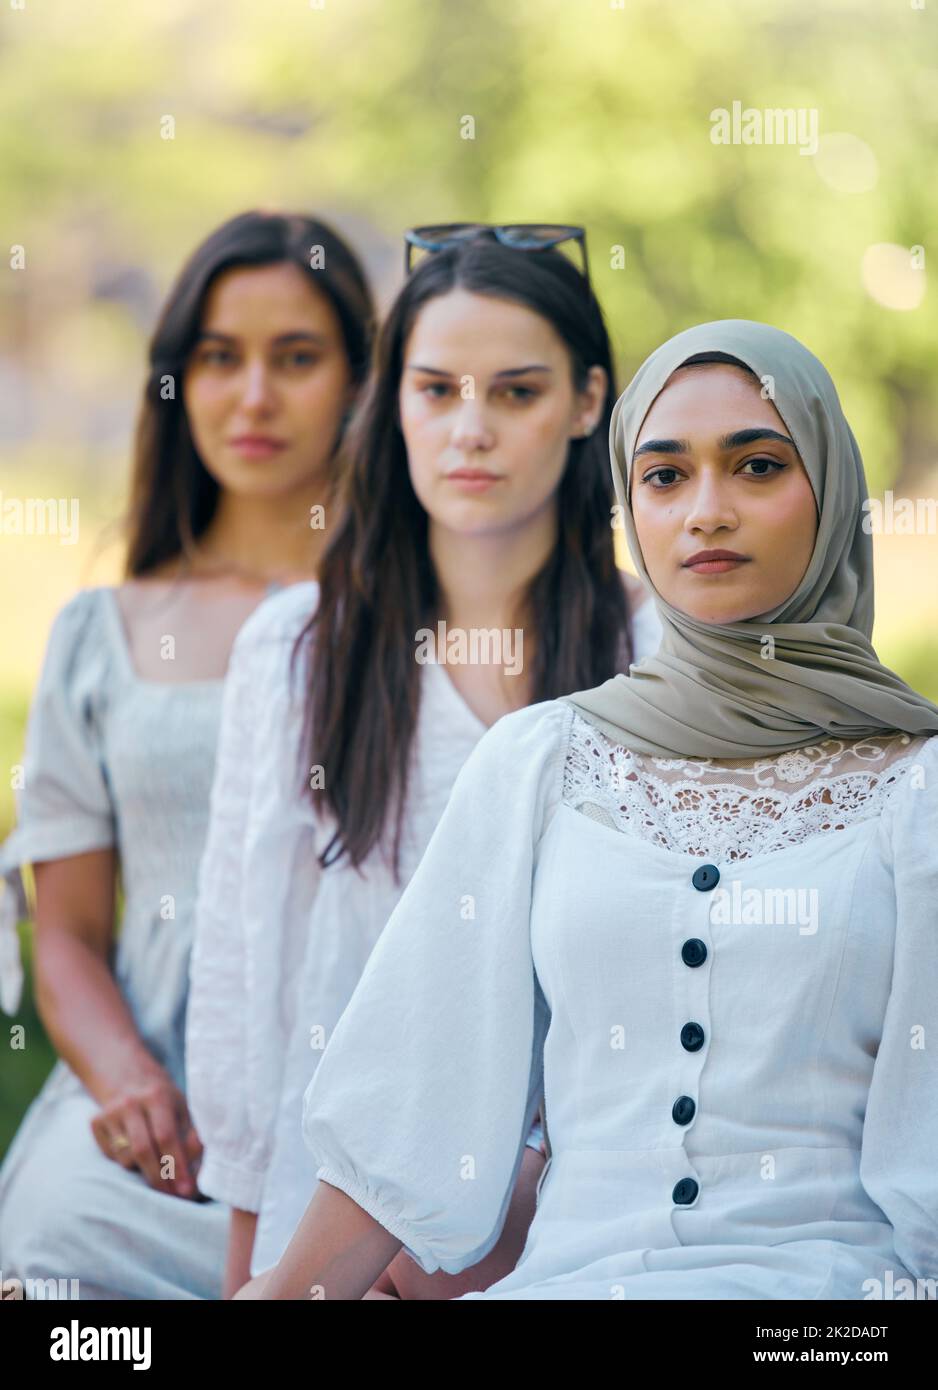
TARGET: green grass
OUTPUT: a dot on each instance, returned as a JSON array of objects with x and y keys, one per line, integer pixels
[{"x": 22, "y": 1072}]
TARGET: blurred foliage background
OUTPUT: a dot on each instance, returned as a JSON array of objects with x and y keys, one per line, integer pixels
[{"x": 588, "y": 111}]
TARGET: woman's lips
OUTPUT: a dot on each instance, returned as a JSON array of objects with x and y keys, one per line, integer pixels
[
  {"x": 256, "y": 448},
  {"x": 715, "y": 566},
  {"x": 470, "y": 480},
  {"x": 714, "y": 562}
]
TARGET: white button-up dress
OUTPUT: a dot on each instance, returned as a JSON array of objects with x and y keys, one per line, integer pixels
[{"x": 723, "y": 981}]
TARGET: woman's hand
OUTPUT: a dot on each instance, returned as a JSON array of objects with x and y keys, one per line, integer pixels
[
  {"x": 147, "y": 1126},
  {"x": 254, "y": 1288},
  {"x": 144, "y": 1120}
]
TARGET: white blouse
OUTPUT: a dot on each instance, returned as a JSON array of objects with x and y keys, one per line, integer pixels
[
  {"x": 723, "y": 981},
  {"x": 281, "y": 944}
]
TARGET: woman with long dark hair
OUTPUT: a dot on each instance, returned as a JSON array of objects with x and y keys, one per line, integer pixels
[
  {"x": 473, "y": 572},
  {"x": 256, "y": 360}
]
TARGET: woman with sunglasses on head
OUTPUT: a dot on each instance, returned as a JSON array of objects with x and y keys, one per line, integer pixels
[
  {"x": 478, "y": 498},
  {"x": 256, "y": 358},
  {"x": 704, "y": 916}
]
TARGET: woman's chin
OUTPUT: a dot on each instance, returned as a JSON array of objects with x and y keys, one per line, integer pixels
[{"x": 717, "y": 617}]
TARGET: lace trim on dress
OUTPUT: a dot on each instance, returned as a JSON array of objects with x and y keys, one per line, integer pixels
[{"x": 738, "y": 808}]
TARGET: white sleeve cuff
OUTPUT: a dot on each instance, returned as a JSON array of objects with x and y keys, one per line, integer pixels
[
  {"x": 368, "y": 1200},
  {"x": 233, "y": 1183}
]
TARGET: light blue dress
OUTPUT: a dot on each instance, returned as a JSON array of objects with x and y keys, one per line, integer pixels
[{"x": 113, "y": 760}]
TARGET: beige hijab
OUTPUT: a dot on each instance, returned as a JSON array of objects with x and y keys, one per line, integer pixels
[{"x": 709, "y": 691}]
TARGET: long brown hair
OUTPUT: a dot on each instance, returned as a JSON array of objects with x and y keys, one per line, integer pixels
[
  {"x": 377, "y": 584},
  {"x": 172, "y": 494}
]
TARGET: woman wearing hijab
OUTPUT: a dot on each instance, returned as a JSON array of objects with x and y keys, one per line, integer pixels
[{"x": 703, "y": 921}]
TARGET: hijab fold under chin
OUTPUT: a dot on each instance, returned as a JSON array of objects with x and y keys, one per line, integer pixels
[{"x": 805, "y": 670}]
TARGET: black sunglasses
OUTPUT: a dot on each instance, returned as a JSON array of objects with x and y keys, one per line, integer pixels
[{"x": 522, "y": 236}]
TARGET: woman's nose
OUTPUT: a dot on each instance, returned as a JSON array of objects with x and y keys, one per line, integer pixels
[
  {"x": 257, "y": 388},
  {"x": 470, "y": 428},
  {"x": 710, "y": 507}
]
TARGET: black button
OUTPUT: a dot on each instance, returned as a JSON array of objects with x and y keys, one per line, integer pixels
[
  {"x": 694, "y": 951},
  {"x": 685, "y": 1191},
  {"x": 706, "y": 877},
  {"x": 692, "y": 1037},
  {"x": 682, "y": 1111}
]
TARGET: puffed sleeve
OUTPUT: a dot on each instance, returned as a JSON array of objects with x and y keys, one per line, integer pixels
[
  {"x": 898, "y": 1164},
  {"x": 64, "y": 803},
  {"x": 257, "y": 880},
  {"x": 425, "y": 1094}
]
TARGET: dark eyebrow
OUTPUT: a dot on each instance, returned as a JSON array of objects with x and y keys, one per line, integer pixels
[
  {"x": 663, "y": 446},
  {"x": 509, "y": 371},
  {"x": 298, "y": 337},
  {"x": 740, "y": 438},
  {"x": 737, "y": 440}
]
